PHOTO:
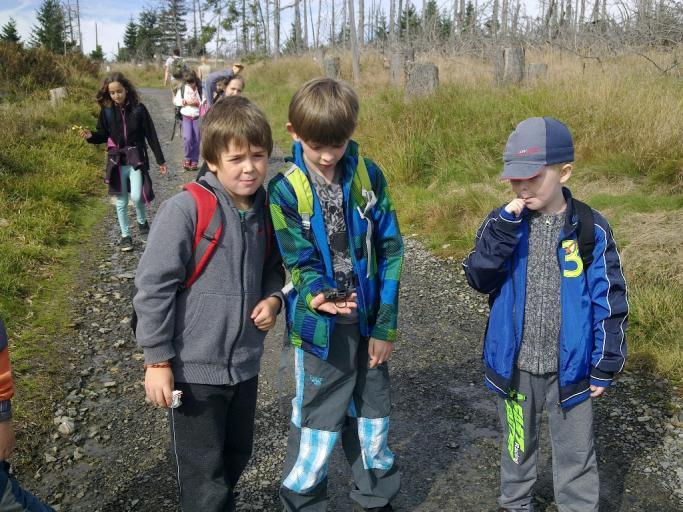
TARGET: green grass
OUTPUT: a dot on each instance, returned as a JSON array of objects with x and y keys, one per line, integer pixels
[
  {"x": 442, "y": 155},
  {"x": 50, "y": 184}
]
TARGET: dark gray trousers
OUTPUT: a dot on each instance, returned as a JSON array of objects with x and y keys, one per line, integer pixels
[
  {"x": 211, "y": 441},
  {"x": 575, "y": 469},
  {"x": 339, "y": 397}
]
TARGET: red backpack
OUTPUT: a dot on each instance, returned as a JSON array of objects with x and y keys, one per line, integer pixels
[{"x": 208, "y": 231}]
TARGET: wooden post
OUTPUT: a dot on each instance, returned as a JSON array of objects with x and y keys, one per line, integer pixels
[
  {"x": 57, "y": 95},
  {"x": 509, "y": 66},
  {"x": 332, "y": 67},
  {"x": 536, "y": 70},
  {"x": 423, "y": 79},
  {"x": 401, "y": 61}
]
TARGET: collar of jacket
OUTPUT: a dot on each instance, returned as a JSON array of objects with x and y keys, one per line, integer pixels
[
  {"x": 350, "y": 159},
  {"x": 258, "y": 199}
]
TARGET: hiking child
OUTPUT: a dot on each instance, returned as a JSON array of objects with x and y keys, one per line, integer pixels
[
  {"x": 175, "y": 69},
  {"x": 125, "y": 124},
  {"x": 189, "y": 99},
  {"x": 12, "y": 496},
  {"x": 210, "y": 86},
  {"x": 203, "y": 333},
  {"x": 339, "y": 237},
  {"x": 234, "y": 86},
  {"x": 556, "y": 328}
]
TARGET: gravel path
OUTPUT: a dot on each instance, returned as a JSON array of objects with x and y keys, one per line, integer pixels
[{"x": 108, "y": 450}]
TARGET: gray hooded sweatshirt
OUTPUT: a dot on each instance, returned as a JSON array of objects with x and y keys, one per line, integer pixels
[{"x": 206, "y": 331}]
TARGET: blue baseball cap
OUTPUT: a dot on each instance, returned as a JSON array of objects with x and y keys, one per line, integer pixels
[{"x": 535, "y": 143}]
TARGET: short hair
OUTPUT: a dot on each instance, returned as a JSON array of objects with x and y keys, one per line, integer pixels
[
  {"x": 235, "y": 120},
  {"x": 176, "y": 52},
  {"x": 325, "y": 111},
  {"x": 239, "y": 78},
  {"x": 191, "y": 78}
]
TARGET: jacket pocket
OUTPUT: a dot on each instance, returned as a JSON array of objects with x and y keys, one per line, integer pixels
[{"x": 211, "y": 332}]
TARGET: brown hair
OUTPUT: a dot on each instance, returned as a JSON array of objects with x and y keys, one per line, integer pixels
[
  {"x": 239, "y": 78},
  {"x": 191, "y": 78},
  {"x": 324, "y": 111},
  {"x": 103, "y": 97},
  {"x": 235, "y": 120}
]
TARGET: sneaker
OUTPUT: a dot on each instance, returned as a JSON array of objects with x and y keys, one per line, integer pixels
[
  {"x": 194, "y": 166},
  {"x": 385, "y": 508},
  {"x": 126, "y": 244},
  {"x": 187, "y": 165},
  {"x": 144, "y": 228}
]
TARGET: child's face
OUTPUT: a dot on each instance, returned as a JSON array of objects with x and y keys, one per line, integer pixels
[
  {"x": 233, "y": 88},
  {"x": 241, "y": 171},
  {"x": 543, "y": 192},
  {"x": 117, "y": 92},
  {"x": 318, "y": 157}
]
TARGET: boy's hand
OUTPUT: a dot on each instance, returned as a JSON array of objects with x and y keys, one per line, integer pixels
[
  {"x": 334, "y": 307},
  {"x": 86, "y": 134},
  {"x": 159, "y": 386},
  {"x": 163, "y": 169},
  {"x": 596, "y": 391},
  {"x": 265, "y": 313},
  {"x": 515, "y": 207},
  {"x": 379, "y": 351},
  {"x": 7, "y": 441}
]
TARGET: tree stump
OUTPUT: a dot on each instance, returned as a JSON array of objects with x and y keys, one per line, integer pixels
[
  {"x": 536, "y": 70},
  {"x": 509, "y": 66},
  {"x": 57, "y": 95},
  {"x": 423, "y": 79},
  {"x": 399, "y": 67},
  {"x": 332, "y": 67}
]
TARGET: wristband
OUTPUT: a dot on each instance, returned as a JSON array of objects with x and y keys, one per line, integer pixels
[{"x": 165, "y": 364}]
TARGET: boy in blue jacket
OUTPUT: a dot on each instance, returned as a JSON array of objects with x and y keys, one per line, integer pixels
[{"x": 555, "y": 335}]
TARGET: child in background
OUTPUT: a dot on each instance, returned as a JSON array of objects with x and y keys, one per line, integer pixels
[
  {"x": 189, "y": 99},
  {"x": 125, "y": 124},
  {"x": 556, "y": 329},
  {"x": 235, "y": 86}
]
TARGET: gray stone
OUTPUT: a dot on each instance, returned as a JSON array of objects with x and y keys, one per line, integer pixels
[
  {"x": 332, "y": 67},
  {"x": 423, "y": 79}
]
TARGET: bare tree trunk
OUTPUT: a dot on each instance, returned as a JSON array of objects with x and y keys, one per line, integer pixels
[
  {"x": 245, "y": 31},
  {"x": 515, "y": 19},
  {"x": 494, "y": 19},
  {"x": 333, "y": 35},
  {"x": 398, "y": 19},
  {"x": 194, "y": 30},
  {"x": 596, "y": 11},
  {"x": 305, "y": 45},
  {"x": 297, "y": 25},
  {"x": 276, "y": 28},
  {"x": 504, "y": 21},
  {"x": 354, "y": 44},
  {"x": 361, "y": 23},
  {"x": 344, "y": 26},
  {"x": 267, "y": 26},
  {"x": 317, "y": 29},
  {"x": 392, "y": 21}
]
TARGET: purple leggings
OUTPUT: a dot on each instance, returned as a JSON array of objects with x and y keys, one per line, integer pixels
[{"x": 191, "y": 138}]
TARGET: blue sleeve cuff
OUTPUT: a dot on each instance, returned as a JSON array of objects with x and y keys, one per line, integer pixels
[
  {"x": 5, "y": 410},
  {"x": 600, "y": 378},
  {"x": 510, "y": 217}
]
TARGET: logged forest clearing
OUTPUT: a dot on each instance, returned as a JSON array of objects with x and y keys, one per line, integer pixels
[{"x": 442, "y": 155}]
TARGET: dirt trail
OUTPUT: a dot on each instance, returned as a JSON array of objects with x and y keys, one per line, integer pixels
[{"x": 108, "y": 449}]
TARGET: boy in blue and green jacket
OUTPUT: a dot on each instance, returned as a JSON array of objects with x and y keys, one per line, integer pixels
[
  {"x": 339, "y": 237},
  {"x": 556, "y": 330}
]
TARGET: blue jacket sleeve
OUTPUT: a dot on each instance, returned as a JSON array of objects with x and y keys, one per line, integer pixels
[
  {"x": 496, "y": 240},
  {"x": 607, "y": 288}
]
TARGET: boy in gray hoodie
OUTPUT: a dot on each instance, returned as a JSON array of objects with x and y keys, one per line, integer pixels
[{"x": 207, "y": 340}]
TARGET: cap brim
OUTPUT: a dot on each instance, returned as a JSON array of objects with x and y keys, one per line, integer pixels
[{"x": 521, "y": 170}]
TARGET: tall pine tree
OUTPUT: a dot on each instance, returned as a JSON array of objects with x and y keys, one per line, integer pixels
[
  {"x": 49, "y": 32},
  {"x": 172, "y": 24},
  {"x": 9, "y": 32},
  {"x": 147, "y": 41}
]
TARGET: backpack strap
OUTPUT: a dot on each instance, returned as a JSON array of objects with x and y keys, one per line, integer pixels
[
  {"x": 585, "y": 232},
  {"x": 304, "y": 196},
  {"x": 208, "y": 230}
]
